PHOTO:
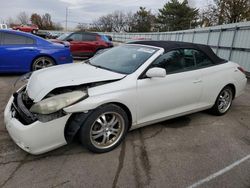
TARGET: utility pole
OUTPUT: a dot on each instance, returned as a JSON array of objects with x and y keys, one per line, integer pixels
[{"x": 66, "y": 22}]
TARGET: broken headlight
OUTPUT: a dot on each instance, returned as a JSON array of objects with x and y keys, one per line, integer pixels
[{"x": 57, "y": 102}]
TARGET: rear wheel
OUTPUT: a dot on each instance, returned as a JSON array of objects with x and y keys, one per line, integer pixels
[
  {"x": 223, "y": 101},
  {"x": 104, "y": 129},
  {"x": 42, "y": 62}
]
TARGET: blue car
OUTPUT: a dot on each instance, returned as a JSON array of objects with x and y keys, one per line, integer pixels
[{"x": 24, "y": 52}]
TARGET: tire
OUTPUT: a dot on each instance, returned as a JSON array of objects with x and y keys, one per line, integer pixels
[
  {"x": 223, "y": 102},
  {"x": 98, "y": 51},
  {"x": 34, "y": 31},
  {"x": 104, "y": 129},
  {"x": 42, "y": 62}
]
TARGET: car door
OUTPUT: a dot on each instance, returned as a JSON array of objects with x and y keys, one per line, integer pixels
[
  {"x": 75, "y": 40},
  {"x": 214, "y": 77},
  {"x": 179, "y": 92},
  {"x": 16, "y": 52},
  {"x": 89, "y": 44}
]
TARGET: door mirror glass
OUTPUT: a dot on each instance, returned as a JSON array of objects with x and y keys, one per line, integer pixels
[{"x": 156, "y": 73}]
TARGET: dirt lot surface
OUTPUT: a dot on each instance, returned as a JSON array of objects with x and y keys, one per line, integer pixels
[{"x": 199, "y": 150}]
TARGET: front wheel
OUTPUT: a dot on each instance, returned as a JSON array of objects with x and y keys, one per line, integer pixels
[
  {"x": 223, "y": 101},
  {"x": 104, "y": 129}
]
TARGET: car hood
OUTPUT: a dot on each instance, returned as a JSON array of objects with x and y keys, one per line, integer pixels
[{"x": 43, "y": 81}]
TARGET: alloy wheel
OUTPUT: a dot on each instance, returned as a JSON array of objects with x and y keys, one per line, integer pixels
[
  {"x": 225, "y": 100},
  {"x": 107, "y": 130},
  {"x": 41, "y": 63}
]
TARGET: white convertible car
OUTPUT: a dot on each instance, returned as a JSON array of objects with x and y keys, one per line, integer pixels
[{"x": 124, "y": 88}]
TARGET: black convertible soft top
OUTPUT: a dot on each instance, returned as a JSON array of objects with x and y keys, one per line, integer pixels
[{"x": 172, "y": 45}]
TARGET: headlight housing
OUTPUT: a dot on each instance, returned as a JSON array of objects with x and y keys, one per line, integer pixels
[{"x": 58, "y": 102}]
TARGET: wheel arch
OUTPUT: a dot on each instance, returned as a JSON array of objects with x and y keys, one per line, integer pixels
[
  {"x": 99, "y": 48},
  {"x": 232, "y": 86},
  {"x": 73, "y": 125},
  {"x": 42, "y": 55}
]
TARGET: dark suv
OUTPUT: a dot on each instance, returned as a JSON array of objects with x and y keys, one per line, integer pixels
[{"x": 84, "y": 44}]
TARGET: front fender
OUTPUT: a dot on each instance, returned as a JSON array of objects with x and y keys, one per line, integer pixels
[{"x": 93, "y": 102}]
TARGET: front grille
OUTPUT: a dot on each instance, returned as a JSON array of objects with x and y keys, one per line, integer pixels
[{"x": 20, "y": 108}]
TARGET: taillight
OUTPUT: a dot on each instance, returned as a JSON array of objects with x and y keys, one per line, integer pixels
[{"x": 241, "y": 70}]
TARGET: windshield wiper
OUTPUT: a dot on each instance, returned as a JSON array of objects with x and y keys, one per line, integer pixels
[{"x": 101, "y": 67}]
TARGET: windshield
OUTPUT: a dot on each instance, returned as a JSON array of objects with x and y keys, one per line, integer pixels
[
  {"x": 63, "y": 36},
  {"x": 105, "y": 38},
  {"x": 123, "y": 59}
]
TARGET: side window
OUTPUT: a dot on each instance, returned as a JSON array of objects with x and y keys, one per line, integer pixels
[
  {"x": 189, "y": 58},
  {"x": 76, "y": 37},
  {"x": 175, "y": 61},
  {"x": 12, "y": 39},
  {"x": 29, "y": 41},
  {"x": 87, "y": 37},
  {"x": 202, "y": 59}
]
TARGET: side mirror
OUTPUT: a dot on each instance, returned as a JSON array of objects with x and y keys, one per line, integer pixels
[
  {"x": 156, "y": 73},
  {"x": 69, "y": 40}
]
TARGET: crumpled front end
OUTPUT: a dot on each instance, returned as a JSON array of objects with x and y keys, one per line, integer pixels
[{"x": 32, "y": 133}]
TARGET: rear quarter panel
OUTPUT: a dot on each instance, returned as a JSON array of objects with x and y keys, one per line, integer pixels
[
  {"x": 215, "y": 78},
  {"x": 58, "y": 52}
]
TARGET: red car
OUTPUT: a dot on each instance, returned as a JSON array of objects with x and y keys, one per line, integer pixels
[
  {"x": 84, "y": 44},
  {"x": 30, "y": 28}
]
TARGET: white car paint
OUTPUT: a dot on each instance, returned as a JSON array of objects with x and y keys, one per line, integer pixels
[
  {"x": 43, "y": 81},
  {"x": 38, "y": 137},
  {"x": 149, "y": 100}
]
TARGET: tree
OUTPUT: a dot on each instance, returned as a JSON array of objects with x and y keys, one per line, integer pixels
[
  {"x": 37, "y": 20},
  {"x": 116, "y": 21},
  {"x": 23, "y": 18},
  {"x": 44, "y": 22},
  {"x": 104, "y": 23},
  {"x": 119, "y": 21},
  {"x": 143, "y": 20},
  {"x": 232, "y": 11},
  {"x": 58, "y": 26},
  {"x": 47, "y": 22},
  {"x": 209, "y": 16},
  {"x": 177, "y": 16},
  {"x": 81, "y": 27}
]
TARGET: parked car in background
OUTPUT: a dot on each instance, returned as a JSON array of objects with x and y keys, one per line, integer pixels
[
  {"x": 109, "y": 37},
  {"x": 124, "y": 88},
  {"x": 48, "y": 34},
  {"x": 3, "y": 26},
  {"x": 84, "y": 44},
  {"x": 53, "y": 34},
  {"x": 24, "y": 52},
  {"x": 30, "y": 28}
]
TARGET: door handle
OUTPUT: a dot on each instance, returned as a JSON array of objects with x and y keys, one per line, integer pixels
[{"x": 197, "y": 81}]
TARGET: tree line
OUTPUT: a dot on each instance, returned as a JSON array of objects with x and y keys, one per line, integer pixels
[
  {"x": 175, "y": 15},
  {"x": 42, "y": 21}
]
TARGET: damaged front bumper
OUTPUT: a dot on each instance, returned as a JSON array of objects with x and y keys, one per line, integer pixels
[{"x": 30, "y": 134}]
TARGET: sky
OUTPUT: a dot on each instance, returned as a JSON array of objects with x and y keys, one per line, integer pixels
[{"x": 79, "y": 11}]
